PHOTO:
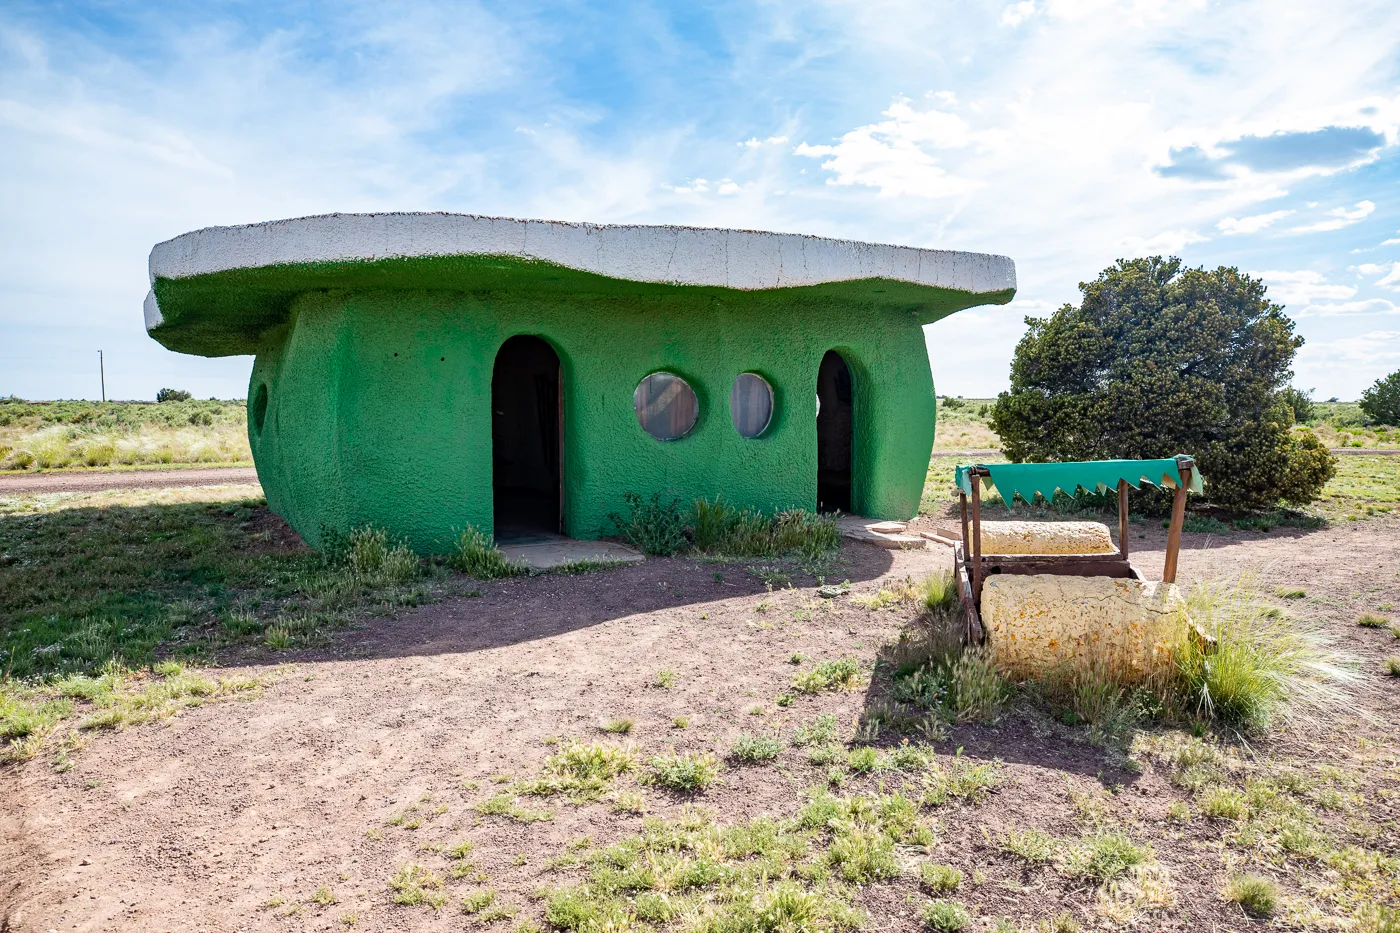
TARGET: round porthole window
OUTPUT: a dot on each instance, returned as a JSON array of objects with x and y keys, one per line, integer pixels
[
  {"x": 751, "y": 404},
  {"x": 666, "y": 406}
]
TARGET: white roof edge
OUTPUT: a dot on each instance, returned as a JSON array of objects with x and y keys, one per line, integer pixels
[{"x": 740, "y": 259}]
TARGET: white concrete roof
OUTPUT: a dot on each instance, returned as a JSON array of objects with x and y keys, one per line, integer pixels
[{"x": 741, "y": 259}]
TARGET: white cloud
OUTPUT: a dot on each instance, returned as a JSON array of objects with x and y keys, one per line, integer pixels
[
  {"x": 1168, "y": 241},
  {"x": 1341, "y": 217},
  {"x": 1232, "y": 226},
  {"x": 1371, "y": 351},
  {"x": 1302, "y": 287},
  {"x": 1389, "y": 273},
  {"x": 753, "y": 142},
  {"x": 895, "y": 155},
  {"x": 1348, "y": 308},
  {"x": 1017, "y": 13}
]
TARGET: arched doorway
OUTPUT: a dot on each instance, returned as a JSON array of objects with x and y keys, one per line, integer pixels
[
  {"x": 526, "y": 439},
  {"x": 835, "y": 421}
]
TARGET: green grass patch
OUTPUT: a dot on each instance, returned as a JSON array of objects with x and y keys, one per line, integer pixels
[
  {"x": 833, "y": 674},
  {"x": 580, "y": 772}
]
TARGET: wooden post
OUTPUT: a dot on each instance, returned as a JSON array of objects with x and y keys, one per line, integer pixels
[
  {"x": 976, "y": 541},
  {"x": 967, "y": 542},
  {"x": 1178, "y": 518},
  {"x": 1123, "y": 519}
]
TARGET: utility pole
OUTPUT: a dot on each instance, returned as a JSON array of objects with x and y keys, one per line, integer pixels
[{"x": 102, "y": 374}]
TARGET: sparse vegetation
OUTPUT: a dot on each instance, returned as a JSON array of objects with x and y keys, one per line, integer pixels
[
  {"x": 1029, "y": 845},
  {"x": 72, "y": 434},
  {"x": 1104, "y": 857},
  {"x": 716, "y": 529},
  {"x": 617, "y": 726}
]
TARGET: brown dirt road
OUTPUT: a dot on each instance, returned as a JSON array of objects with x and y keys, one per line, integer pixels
[
  {"x": 231, "y": 816},
  {"x": 27, "y": 484}
]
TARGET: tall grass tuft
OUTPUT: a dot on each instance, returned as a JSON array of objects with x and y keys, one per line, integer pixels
[
  {"x": 477, "y": 555},
  {"x": 1263, "y": 667}
]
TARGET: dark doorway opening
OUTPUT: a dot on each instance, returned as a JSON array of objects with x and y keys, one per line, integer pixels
[
  {"x": 835, "y": 420},
  {"x": 526, "y": 435}
]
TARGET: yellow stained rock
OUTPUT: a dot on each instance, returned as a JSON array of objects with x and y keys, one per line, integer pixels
[
  {"x": 1046, "y": 538},
  {"x": 1037, "y": 623}
]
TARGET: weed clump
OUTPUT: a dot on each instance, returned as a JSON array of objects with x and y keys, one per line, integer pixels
[
  {"x": 477, "y": 556},
  {"x": 369, "y": 556},
  {"x": 582, "y": 772},
  {"x": 687, "y": 773},
  {"x": 1105, "y": 857},
  {"x": 946, "y": 916},
  {"x": 828, "y": 675},
  {"x": 415, "y": 886},
  {"x": 940, "y": 879},
  {"x": 1256, "y": 894},
  {"x": 754, "y": 749}
]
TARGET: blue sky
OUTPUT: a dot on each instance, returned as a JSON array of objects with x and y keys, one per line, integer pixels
[{"x": 1063, "y": 133}]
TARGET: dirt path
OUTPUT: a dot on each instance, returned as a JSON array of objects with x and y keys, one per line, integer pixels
[
  {"x": 19, "y": 484},
  {"x": 232, "y": 816}
]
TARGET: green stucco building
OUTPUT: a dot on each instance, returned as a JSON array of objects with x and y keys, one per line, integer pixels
[{"x": 423, "y": 372}]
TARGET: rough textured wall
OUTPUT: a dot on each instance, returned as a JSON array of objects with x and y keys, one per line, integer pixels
[
  {"x": 1046, "y": 538},
  {"x": 378, "y": 402},
  {"x": 1046, "y": 623}
]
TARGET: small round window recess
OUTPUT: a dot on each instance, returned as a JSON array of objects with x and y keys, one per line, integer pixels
[
  {"x": 751, "y": 404},
  {"x": 666, "y": 406}
]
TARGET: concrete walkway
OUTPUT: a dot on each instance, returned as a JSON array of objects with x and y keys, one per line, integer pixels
[{"x": 545, "y": 551}]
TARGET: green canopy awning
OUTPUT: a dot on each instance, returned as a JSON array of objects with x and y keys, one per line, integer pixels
[{"x": 1027, "y": 479}]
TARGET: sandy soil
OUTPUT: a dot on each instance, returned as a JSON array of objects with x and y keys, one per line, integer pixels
[
  {"x": 202, "y": 822},
  {"x": 24, "y": 484}
]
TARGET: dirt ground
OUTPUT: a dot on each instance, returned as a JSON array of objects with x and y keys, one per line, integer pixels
[
  {"x": 23, "y": 484},
  {"x": 232, "y": 816}
]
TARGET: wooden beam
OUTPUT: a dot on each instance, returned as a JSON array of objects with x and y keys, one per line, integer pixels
[
  {"x": 1123, "y": 518},
  {"x": 1178, "y": 519}
]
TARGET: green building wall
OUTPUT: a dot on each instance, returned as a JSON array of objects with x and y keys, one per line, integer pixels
[{"x": 372, "y": 405}]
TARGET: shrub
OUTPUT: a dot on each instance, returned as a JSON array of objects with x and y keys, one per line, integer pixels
[
  {"x": 687, "y": 773},
  {"x": 1159, "y": 360},
  {"x": 1381, "y": 402},
  {"x": 477, "y": 555},
  {"x": 172, "y": 395},
  {"x": 654, "y": 527},
  {"x": 946, "y": 916},
  {"x": 1256, "y": 895},
  {"x": 754, "y": 749}
]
